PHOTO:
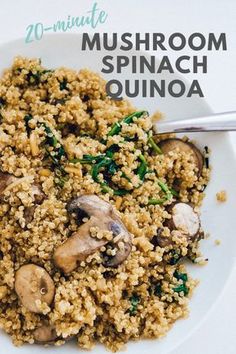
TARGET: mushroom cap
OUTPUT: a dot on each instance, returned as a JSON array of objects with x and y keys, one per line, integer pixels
[
  {"x": 29, "y": 214},
  {"x": 172, "y": 144},
  {"x": 118, "y": 228},
  {"x": 38, "y": 193},
  {"x": 5, "y": 180},
  {"x": 45, "y": 334},
  {"x": 90, "y": 204},
  {"x": 33, "y": 283},
  {"x": 39, "y": 197},
  {"x": 160, "y": 240}
]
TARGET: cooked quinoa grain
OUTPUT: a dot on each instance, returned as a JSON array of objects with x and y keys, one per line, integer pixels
[
  {"x": 221, "y": 196},
  {"x": 94, "y": 210}
]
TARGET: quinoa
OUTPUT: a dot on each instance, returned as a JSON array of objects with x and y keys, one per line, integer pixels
[
  {"x": 221, "y": 196},
  {"x": 50, "y": 120}
]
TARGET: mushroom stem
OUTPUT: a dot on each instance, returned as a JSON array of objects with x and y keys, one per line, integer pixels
[{"x": 78, "y": 247}]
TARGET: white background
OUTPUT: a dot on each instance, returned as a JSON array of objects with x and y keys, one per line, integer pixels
[{"x": 218, "y": 333}]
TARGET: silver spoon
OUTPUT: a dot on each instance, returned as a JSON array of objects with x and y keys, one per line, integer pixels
[{"x": 215, "y": 122}]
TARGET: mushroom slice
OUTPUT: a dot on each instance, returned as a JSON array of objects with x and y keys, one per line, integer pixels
[
  {"x": 90, "y": 204},
  {"x": 45, "y": 334},
  {"x": 29, "y": 214},
  {"x": 160, "y": 240},
  {"x": 124, "y": 246},
  {"x": 39, "y": 197},
  {"x": 33, "y": 283},
  {"x": 172, "y": 144},
  {"x": 184, "y": 218},
  {"x": 38, "y": 194},
  {"x": 69, "y": 128},
  {"x": 81, "y": 244},
  {"x": 5, "y": 180}
]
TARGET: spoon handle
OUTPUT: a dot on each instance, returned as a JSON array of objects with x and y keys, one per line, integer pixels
[{"x": 215, "y": 122}]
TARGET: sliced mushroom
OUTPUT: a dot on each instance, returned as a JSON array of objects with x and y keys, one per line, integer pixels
[
  {"x": 160, "y": 240},
  {"x": 5, "y": 180},
  {"x": 33, "y": 283},
  {"x": 185, "y": 219},
  {"x": 122, "y": 252},
  {"x": 91, "y": 205},
  {"x": 39, "y": 197},
  {"x": 38, "y": 194},
  {"x": 45, "y": 334},
  {"x": 29, "y": 214},
  {"x": 172, "y": 144},
  {"x": 81, "y": 244},
  {"x": 177, "y": 184},
  {"x": 69, "y": 128}
]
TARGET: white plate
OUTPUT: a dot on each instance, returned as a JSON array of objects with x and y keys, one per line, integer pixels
[{"x": 218, "y": 219}]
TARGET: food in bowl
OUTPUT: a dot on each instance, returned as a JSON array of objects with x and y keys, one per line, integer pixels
[{"x": 97, "y": 213}]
